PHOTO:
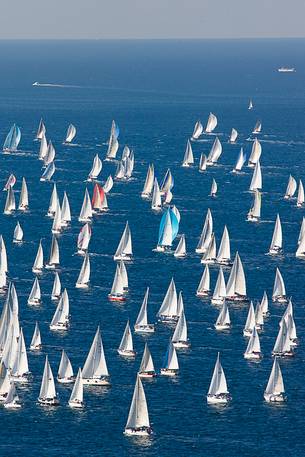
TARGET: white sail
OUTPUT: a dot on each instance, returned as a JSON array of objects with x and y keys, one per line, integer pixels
[
  {"x": 250, "y": 322},
  {"x": 118, "y": 284},
  {"x": 60, "y": 320},
  {"x": 41, "y": 130},
  {"x": 54, "y": 254},
  {"x": 18, "y": 234},
  {"x": 3, "y": 255},
  {"x": 282, "y": 343},
  {"x": 224, "y": 251},
  {"x": 77, "y": 395},
  {"x": 57, "y": 221},
  {"x": 275, "y": 386},
  {"x": 71, "y": 133},
  {"x": 53, "y": 202},
  {"x": 181, "y": 247},
  {"x": 10, "y": 204},
  {"x": 279, "y": 290},
  {"x": 56, "y": 289},
  {"x": 180, "y": 333},
  {"x": 113, "y": 144},
  {"x": 256, "y": 152},
  {"x": 35, "y": 294},
  {"x": 171, "y": 360},
  {"x": 202, "y": 162},
  {"x": 50, "y": 155},
  {"x": 257, "y": 127},
  {"x": 209, "y": 255},
  {"x": 206, "y": 233},
  {"x": 65, "y": 370},
  {"x": 84, "y": 274},
  {"x": 291, "y": 187},
  {"x": 126, "y": 344},
  {"x": 24, "y": 197},
  {"x": 219, "y": 293},
  {"x": 215, "y": 152},
  {"x": 138, "y": 418},
  {"x": 204, "y": 284},
  {"x": 147, "y": 365},
  {"x": 218, "y": 385},
  {"x": 277, "y": 237},
  {"x": 256, "y": 181},
  {"x": 124, "y": 249},
  {"x": 38, "y": 262},
  {"x": 301, "y": 197},
  {"x": 250, "y": 106},
  {"x": 36, "y": 339},
  {"x": 83, "y": 239},
  {"x": 96, "y": 168},
  {"x": 108, "y": 184},
  {"x": 233, "y": 136},
  {"x": 241, "y": 159},
  {"x": 48, "y": 173},
  {"x": 65, "y": 211},
  {"x": 253, "y": 349},
  {"x": 149, "y": 182},
  {"x": 214, "y": 188},
  {"x": 43, "y": 149},
  {"x": 255, "y": 211},
  {"x": 156, "y": 203},
  {"x": 167, "y": 183},
  {"x": 47, "y": 389},
  {"x": 198, "y": 129},
  {"x": 223, "y": 320},
  {"x": 169, "y": 306},
  {"x": 95, "y": 366},
  {"x": 20, "y": 368},
  {"x": 142, "y": 316},
  {"x": 86, "y": 209},
  {"x": 236, "y": 286},
  {"x": 211, "y": 123},
  {"x": 188, "y": 155}
]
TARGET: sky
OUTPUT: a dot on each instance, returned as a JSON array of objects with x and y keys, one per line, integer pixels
[{"x": 108, "y": 19}]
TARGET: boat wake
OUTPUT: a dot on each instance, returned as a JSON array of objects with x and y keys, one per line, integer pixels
[{"x": 37, "y": 84}]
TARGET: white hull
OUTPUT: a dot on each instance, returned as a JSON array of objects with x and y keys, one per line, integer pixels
[
  {"x": 218, "y": 301},
  {"x": 59, "y": 327},
  {"x": 35, "y": 348},
  {"x": 76, "y": 404},
  {"x": 23, "y": 379},
  {"x": 129, "y": 354},
  {"x": 137, "y": 432},
  {"x": 179, "y": 255},
  {"x": 48, "y": 401},
  {"x": 37, "y": 271},
  {"x": 274, "y": 398},
  {"x": 65, "y": 380},
  {"x": 220, "y": 327},
  {"x": 149, "y": 328},
  {"x": 218, "y": 399},
  {"x": 51, "y": 266},
  {"x": 96, "y": 382},
  {"x": 34, "y": 302},
  {"x": 280, "y": 299},
  {"x": 204, "y": 293},
  {"x": 167, "y": 372},
  {"x": 126, "y": 258},
  {"x": 253, "y": 356},
  {"x": 181, "y": 344},
  {"x": 12, "y": 405},
  {"x": 208, "y": 261},
  {"x": 247, "y": 332},
  {"x": 147, "y": 375},
  {"x": 82, "y": 286},
  {"x": 253, "y": 219}
]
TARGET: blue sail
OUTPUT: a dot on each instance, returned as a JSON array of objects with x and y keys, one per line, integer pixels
[
  {"x": 116, "y": 131},
  {"x": 175, "y": 224},
  {"x": 162, "y": 225}
]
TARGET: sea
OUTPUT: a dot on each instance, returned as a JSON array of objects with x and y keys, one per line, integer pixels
[{"x": 156, "y": 91}]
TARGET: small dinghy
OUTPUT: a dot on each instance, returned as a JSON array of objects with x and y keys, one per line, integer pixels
[
  {"x": 76, "y": 399},
  {"x": 219, "y": 294},
  {"x": 36, "y": 339},
  {"x": 12, "y": 400},
  {"x": 142, "y": 325},
  {"x": 117, "y": 289},
  {"x": 198, "y": 130},
  {"x": 35, "y": 294},
  {"x": 70, "y": 135},
  {"x": 188, "y": 159},
  {"x": 48, "y": 395},
  {"x": 291, "y": 188},
  {"x": 241, "y": 159},
  {"x": 53, "y": 262},
  {"x": 95, "y": 371},
  {"x": 179, "y": 338},
  {"x": 218, "y": 392},
  {"x": 24, "y": 197},
  {"x": 253, "y": 351},
  {"x": 223, "y": 321},
  {"x": 138, "y": 420},
  {"x": 170, "y": 366},
  {"x": 96, "y": 168},
  {"x": 282, "y": 346},
  {"x": 84, "y": 274},
  {"x": 275, "y": 390},
  {"x": 203, "y": 289},
  {"x": 126, "y": 345},
  {"x": 236, "y": 285},
  {"x": 56, "y": 289},
  {"x": 250, "y": 322},
  {"x": 38, "y": 262},
  {"x": 65, "y": 370},
  {"x": 124, "y": 249},
  {"x": 149, "y": 182},
  {"x": 214, "y": 188},
  {"x": 60, "y": 319},
  {"x": 254, "y": 214},
  {"x": 279, "y": 290},
  {"x": 181, "y": 248},
  {"x": 18, "y": 234},
  {"x": 255, "y": 154},
  {"x": 277, "y": 238},
  {"x": 147, "y": 369}
]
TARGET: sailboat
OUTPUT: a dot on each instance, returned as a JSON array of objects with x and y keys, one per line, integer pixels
[
  {"x": 96, "y": 168},
  {"x": 12, "y": 400},
  {"x": 181, "y": 247},
  {"x": 117, "y": 289},
  {"x": 156, "y": 202},
  {"x": 254, "y": 213},
  {"x": 126, "y": 345},
  {"x": 279, "y": 290},
  {"x": 275, "y": 390},
  {"x": 211, "y": 123},
  {"x": 20, "y": 368},
  {"x": 202, "y": 163},
  {"x": 170, "y": 366},
  {"x": 167, "y": 183},
  {"x": 108, "y": 184},
  {"x": 253, "y": 351},
  {"x": 206, "y": 234},
  {"x": 24, "y": 198},
  {"x": 256, "y": 181},
  {"x": 76, "y": 398},
  {"x": 168, "y": 230},
  {"x": 95, "y": 371},
  {"x": 219, "y": 294},
  {"x": 53, "y": 202},
  {"x": 241, "y": 159},
  {"x": 277, "y": 238},
  {"x": 255, "y": 154},
  {"x": 56, "y": 289},
  {"x": 65, "y": 211},
  {"x": 18, "y": 234},
  {"x": 36, "y": 339},
  {"x": 259, "y": 317},
  {"x": 41, "y": 131},
  {"x": 5, "y": 382},
  {"x": 57, "y": 221},
  {"x": 236, "y": 285},
  {"x": 301, "y": 197},
  {"x": 223, "y": 321},
  {"x": 43, "y": 149},
  {"x": 209, "y": 257},
  {"x": 12, "y": 140},
  {"x": 38, "y": 262},
  {"x": 10, "y": 204},
  {"x": 300, "y": 252},
  {"x": 53, "y": 262},
  {"x": 168, "y": 311},
  {"x": 233, "y": 136},
  {"x": 291, "y": 188},
  {"x": 10, "y": 182},
  {"x": 224, "y": 252},
  {"x": 83, "y": 239},
  {"x": 257, "y": 128},
  {"x": 50, "y": 155},
  {"x": 47, "y": 395},
  {"x": 282, "y": 346},
  {"x": 48, "y": 173},
  {"x": 250, "y": 322},
  {"x": 214, "y": 188},
  {"x": 218, "y": 391},
  {"x": 215, "y": 152},
  {"x": 250, "y": 106},
  {"x": 113, "y": 144},
  {"x": 203, "y": 289},
  {"x": 149, "y": 182},
  {"x": 35, "y": 294},
  {"x": 124, "y": 276},
  {"x": 179, "y": 338},
  {"x": 86, "y": 209},
  {"x": 60, "y": 319},
  {"x": 197, "y": 132},
  {"x": 65, "y": 370},
  {"x": 142, "y": 325},
  {"x": 138, "y": 420},
  {"x": 84, "y": 274},
  {"x": 99, "y": 200},
  {"x": 124, "y": 249},
  {"x": 264, "y": 305},
  {"x": 188, "y": 159},
  {"x": 70, "y": 135},
  {"x": 147, "y": 369}
]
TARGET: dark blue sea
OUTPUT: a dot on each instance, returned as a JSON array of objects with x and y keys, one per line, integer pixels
[{"x": 155, "y": 91}]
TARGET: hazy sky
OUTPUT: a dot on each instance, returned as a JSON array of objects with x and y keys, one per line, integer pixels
[{"x": 151, "y": 18}]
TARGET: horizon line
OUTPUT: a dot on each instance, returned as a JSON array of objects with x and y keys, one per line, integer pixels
[{"x": 153, "y": 38}]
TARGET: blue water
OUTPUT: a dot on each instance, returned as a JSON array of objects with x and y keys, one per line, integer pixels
[{"x": 156, "y": 91}]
